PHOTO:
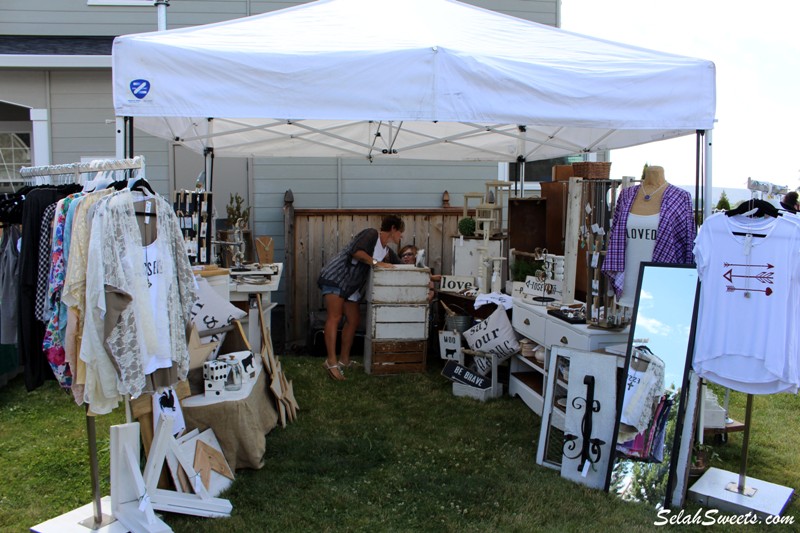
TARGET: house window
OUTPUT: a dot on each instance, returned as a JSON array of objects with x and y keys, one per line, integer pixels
[
  {"x": 148, "y": 3},
  {"x": 15, "y": 153},
  {"x": 540, "y": 170}
]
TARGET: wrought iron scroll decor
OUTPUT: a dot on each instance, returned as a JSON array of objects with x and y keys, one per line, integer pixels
[{"x": 590, "y": 449}]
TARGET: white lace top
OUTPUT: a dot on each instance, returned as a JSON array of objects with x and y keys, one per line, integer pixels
[{"x": 119, "y": 329}]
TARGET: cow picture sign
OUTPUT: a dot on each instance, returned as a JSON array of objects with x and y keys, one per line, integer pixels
[{"x": 450, "y": 345}]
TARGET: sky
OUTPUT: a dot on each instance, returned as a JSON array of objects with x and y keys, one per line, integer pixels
[
  {"x": 664, "y": 317},
  {"x": 756, "y": 50}
]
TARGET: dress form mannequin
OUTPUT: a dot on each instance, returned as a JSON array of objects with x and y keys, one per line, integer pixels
[
  {"x": 641, "y": 226},
  {"x": 648, "y": 200},
  {"x": 674, "y": 234}
]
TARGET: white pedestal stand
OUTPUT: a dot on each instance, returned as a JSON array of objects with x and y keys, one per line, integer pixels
[
  {"x": 73, "y": 521},
  {"x": 717, "y": 489},
  {"x": 738, "y": 493}
]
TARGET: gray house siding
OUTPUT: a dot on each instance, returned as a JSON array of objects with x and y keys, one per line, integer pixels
[
  {"x": 82, "y": 122},
  {"x": 76, "y": 17}
]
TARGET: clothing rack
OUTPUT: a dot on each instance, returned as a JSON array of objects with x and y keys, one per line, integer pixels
[
  {"x": 735, "y": 491},
  {"x": 77, "y": 169},
  {"x": 765, "y": 186},
  {"x": 98, "y": 520}
]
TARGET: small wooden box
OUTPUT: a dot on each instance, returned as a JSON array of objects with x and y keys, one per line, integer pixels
[{"x": 394, "y": 356}]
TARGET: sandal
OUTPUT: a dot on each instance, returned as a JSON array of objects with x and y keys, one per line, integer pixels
[
  {"x": 349, "y": 365},
  {"x": 333, "y": 371}
]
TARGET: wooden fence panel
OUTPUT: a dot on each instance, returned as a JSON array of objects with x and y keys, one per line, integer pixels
[{"x": 319, "y": 234}]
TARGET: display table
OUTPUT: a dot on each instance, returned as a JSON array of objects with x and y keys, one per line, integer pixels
[
  {"x": 240, "y": 422},
  {"x": 243, "y": 291}
]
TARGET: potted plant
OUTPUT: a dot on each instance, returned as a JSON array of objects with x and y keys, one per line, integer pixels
[
  {"x": 702, "y": 457},
  {"x": 466, "y": 227},
  {"x": 237, "y": 214},
  {"x": 236, "y": 210}
]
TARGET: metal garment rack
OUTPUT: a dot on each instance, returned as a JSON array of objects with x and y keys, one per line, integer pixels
[
  {"x": 766, "y": 187},
  {"x": 735, "y": 491},
  {"x": 77, "y": 170}
]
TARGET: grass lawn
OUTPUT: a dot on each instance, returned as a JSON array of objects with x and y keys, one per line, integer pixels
[{"x": 375, "y": 453}]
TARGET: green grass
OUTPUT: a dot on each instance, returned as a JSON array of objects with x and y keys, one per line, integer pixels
[{"x": 374, "y": 453}]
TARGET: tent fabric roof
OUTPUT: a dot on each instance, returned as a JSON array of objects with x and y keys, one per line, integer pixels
[{"x": 425, "y": 79}]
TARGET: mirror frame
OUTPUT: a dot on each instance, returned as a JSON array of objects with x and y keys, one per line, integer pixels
[{"x": 684, "y": 385}]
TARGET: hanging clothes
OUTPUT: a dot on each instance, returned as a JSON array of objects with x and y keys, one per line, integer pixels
[
  {"x": 747, "y": 328},
  {"x": 53, "y": 342},
  {"x": 73, "y": 295},
  {"x": 123, "y": 340},
  {"x": 9, "y": 259},
  {"x": 675, "y": 236},
  {"x": 9, "y": 274},
  {"x": 643, "y": 388},
  {"x": 31, "y": 331}
]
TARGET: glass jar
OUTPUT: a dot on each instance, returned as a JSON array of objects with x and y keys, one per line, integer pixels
[{"x": 235, "y": 374}]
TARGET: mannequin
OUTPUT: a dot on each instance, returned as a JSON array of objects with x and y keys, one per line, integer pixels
[
  {"x": 653, "y": 221},
  {"x": 651, "y": 191}
]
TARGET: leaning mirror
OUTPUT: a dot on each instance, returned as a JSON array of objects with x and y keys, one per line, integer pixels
[{"x": 650, "y": 412}]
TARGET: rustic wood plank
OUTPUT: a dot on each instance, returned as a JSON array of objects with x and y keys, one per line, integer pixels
[
  {"x": 319, "y": 234},
  {"x": 303, "y": 245}
]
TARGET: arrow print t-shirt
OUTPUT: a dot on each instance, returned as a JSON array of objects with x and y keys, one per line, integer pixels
[{"x": 748, "y": 316}]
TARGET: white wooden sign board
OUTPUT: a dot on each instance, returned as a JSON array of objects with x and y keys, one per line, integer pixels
[
  {"x": 533, "y": 289},
  {"x": 604, "y": 370},
  {"x": 457, "y": 284},
  {"x": 450, "y": 346}
]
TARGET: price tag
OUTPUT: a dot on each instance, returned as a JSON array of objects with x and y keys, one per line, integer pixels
[
  {"x": 144, "y": 502},
  {"x": 595, "y": 259},
  {"x": 586, "y": 466}
]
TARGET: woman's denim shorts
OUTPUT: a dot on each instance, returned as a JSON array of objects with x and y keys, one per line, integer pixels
[{"x": 330, "y": 289}]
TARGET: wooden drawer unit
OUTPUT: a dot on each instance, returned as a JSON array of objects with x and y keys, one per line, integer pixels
[
  {"x": 397, "y": 320},
  {"x": 529, "y": 322},
  {"x": 394, "y": 356},
  {"x": 580, "y": 337},
  {"x": 528, "y": 376}
]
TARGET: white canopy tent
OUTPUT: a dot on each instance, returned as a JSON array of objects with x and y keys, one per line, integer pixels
[{"x": 420, "y": 79}]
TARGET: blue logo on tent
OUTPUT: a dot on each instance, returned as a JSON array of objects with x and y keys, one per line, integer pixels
[{"x": 140, "y": 88}]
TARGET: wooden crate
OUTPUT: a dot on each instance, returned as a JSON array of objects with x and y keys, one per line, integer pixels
[
  {"x": 394, "y": 356},
  {"x": 401, "y": 284},
  {"x": 405, "y": 322}
]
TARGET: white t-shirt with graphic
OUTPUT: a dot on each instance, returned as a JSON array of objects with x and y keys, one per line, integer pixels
[
  {"x": 159, "y": 275},
  {"x": 748, "y": 316}
]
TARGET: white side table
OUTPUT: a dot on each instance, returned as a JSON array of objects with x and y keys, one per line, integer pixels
[{"x": 243, "y": 289}]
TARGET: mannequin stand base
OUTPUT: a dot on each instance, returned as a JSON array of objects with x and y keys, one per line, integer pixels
[
  {"x": 76, "y": 521},
  {"x": 713, "y": 490}
]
